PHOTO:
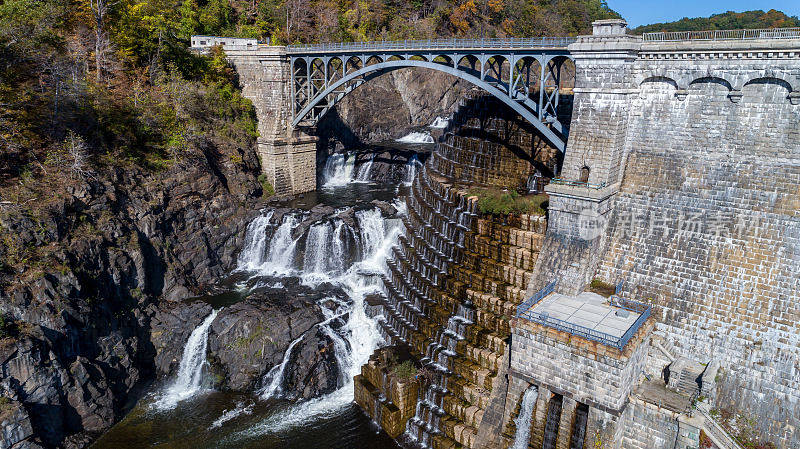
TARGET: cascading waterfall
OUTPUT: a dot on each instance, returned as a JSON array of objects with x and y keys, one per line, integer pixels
[
  {"x": 355, "y": 335},
  {"x": 315, "y": 256},
  {"x": 523, "y": 421},
  {"x": 280, "y": 256},
  {"x": 411, "y": 170},
  {"x": 275, "y": 375},
  {"x": 425, "y": 422},
  {"x": 416, "y": 137},
  {"x": 255, "y": 243},
  {"x": 440, "y": 122},
  {"x": 338, "y": 169},
  {"x": 326, "y": 251},
  {"x": 365, "y": 170},
  {"x": 190, "y": 371},
  {"x": 372, "y": 226}
]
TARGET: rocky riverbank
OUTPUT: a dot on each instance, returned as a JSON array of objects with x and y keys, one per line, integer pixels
[{"x": 93, "y": 265}]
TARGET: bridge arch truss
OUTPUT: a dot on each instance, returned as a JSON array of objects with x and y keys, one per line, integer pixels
[{"x": 529, "y": 80}]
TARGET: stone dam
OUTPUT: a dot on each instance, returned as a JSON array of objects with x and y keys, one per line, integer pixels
[{"x": 653, "y": 305}]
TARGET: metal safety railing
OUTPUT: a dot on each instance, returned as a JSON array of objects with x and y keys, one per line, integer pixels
[
  {"x": 525, "y": 310},
  {"x": 433, "y": 44},
  {"x": 719, "y": 35},
  {"x": 533, "y": 300},
  {"x": 564, "y": 182}
]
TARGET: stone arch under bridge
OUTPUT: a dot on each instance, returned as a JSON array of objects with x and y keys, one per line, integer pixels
[{"x": 528, "y": 80}]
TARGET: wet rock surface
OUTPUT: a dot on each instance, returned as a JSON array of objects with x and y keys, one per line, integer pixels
[
  {"x": 251, "y": 337},
  {"x": 409, "y": 98},
  {"x": 170, "y": 328}
]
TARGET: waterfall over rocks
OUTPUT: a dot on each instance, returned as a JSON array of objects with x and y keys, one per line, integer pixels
[
  {"x": 440, "y": 122},
  {"x": 523, "y": 421},
  {"x": 275, "y": 375},
  {"x": 372, "y": 231},
  {"x": 411, "y": 170},
  {"x": 350, "y": 255},
  {"x": 338, "y": 169},
  {"x": 269, "y": 256},
  {"x": 190, "y": 372},
  {"x": 255, "y": 243},
  {"x": 365, "y": 170},
  {"x": 416, "y": 137}
]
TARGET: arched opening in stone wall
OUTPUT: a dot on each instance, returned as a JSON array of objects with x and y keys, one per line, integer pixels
[{"x": 584, "y": 174}]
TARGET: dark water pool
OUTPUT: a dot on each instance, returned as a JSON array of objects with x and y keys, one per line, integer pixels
[
  {"x": 191, "y": 426},
  {"x": 354, "y": 194}
]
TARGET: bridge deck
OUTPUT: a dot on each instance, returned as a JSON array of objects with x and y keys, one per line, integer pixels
[{"x": 478, "y": 45}]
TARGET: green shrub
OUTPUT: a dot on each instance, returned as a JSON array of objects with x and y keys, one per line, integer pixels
[
  {"x": 266, "y": 188},
  {"x": 405, "y": 370},
  {"x": 5, "y": 406},
  {"x": 498, "y": 202},
  {"x": 601, "y": 287}
]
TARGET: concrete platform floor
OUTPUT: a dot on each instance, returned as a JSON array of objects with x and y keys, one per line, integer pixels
[{"x": 589, "y": 310}]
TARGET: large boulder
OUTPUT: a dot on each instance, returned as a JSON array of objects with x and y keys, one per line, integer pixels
[{"x": 251, "y": 337}]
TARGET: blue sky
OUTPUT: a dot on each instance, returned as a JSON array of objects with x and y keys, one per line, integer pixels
[{"x": 642, "y": 12}]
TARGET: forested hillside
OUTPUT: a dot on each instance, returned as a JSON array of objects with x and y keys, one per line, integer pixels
[{"x": 726, "y": 21}]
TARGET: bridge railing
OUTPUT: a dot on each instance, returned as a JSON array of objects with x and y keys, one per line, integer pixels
[
  {"x": 720, "y": 35},
  {"x": 432, "y": 44}
]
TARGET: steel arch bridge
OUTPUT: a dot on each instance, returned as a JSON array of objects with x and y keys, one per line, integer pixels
[{"x": 525, "y": 74}]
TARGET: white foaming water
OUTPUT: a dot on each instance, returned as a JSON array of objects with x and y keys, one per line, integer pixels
[
  {"x": 316, "y": 243},
  {"x": 411, "y": 170},
  {"x": 236, "y": 412},
  {"x": 280, "y": 255},
  {"x": 523, "y": 421},
  {"x": 354, "y": 342},
  {"x": 338, "y": 169},
  {"x": 190, "y": 371},
  {"x": 255, "y": 243},
  {"x": 372, "y": 231},
  {"x": 275, "y": 386},
  {"x": 326, "y": 252},
  {"x": 440, "y": 122},
  {"x": 365, "y": 170},
  {"x": 416, "y": 137}
]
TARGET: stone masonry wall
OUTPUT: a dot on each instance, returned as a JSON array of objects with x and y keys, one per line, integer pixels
[
  {"x": 586, "y": 371},
  {"x": 707, "y": 226},
  {"x": 288, "y": 159}
]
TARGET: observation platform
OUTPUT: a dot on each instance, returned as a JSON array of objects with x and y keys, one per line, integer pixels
[
  {"x": 588, "y": 310},
  {"x": 611, "y": 321},
  {"x": 586, "y": 347}
]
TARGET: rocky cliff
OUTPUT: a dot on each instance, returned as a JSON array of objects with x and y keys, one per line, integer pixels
[
  {"x": 390, "y": 106},
  {"x": 84, "y": 274}
]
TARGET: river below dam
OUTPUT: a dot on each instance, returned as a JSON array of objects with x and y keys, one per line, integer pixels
[{"x": 338, "y": 259}]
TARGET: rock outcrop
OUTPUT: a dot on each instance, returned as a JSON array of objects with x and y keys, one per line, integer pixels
[
  {"x": 15, "y": 425},
  {"x": 250, "y": 337},
  {"x": 390, "y": 106},
  {"x": 105, "y": 251}
]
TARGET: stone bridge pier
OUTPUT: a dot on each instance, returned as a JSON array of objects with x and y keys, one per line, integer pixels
[{"x": 288, "y": 156}]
